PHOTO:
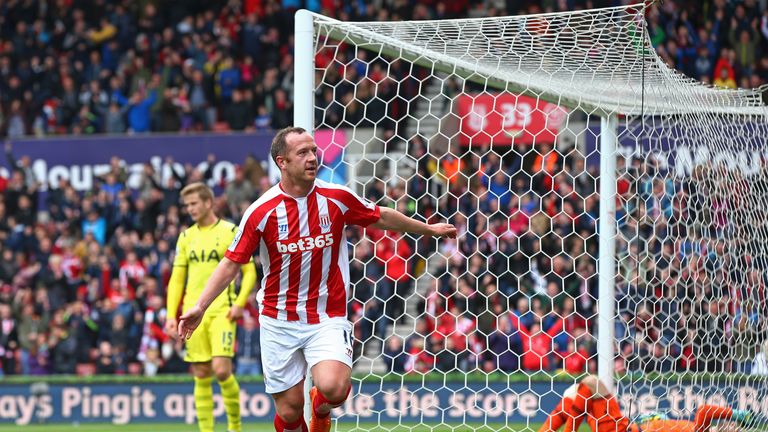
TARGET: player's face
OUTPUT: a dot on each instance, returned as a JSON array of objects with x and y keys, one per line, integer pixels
[
  {"x": 197, "y": 208},
  {"x": 300, "y": 160}
]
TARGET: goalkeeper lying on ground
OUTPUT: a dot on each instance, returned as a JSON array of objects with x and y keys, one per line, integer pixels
[{"x": 591, "y": 400}]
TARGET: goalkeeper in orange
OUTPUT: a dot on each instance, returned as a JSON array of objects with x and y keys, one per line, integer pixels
[{"x": 591, "y": 400}]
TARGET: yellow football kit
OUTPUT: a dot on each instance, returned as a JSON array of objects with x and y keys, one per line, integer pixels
[{"x": 198, "y": 252}]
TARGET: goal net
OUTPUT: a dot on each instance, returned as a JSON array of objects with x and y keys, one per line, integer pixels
[{"x": 612, "y": 217}]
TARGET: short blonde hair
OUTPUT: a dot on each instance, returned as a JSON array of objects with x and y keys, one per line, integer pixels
[{"x": 201, "y": 189}]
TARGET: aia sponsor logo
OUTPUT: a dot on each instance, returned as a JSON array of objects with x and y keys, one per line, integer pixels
[{"x": 305, "y": 244}]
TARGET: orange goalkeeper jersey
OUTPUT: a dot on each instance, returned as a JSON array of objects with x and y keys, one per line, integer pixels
[
  {"x": 606, "y": 416},
  {"x": 668, "y": 426}
]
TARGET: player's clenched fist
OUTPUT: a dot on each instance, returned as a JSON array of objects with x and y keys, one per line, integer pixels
[{"x": 189, "y": 321}]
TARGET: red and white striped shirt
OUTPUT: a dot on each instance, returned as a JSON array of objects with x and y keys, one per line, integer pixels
[{"x": 303, "y": 249}]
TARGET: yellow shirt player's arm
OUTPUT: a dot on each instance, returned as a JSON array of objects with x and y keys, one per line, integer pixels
[
  {"x": 178, "y": 277},
  {"x": 247, "y": 283}
]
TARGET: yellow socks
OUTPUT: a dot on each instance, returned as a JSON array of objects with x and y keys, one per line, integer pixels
[
  {"x": 230, "y": 394},
  {"x": 204, "y": 403}
]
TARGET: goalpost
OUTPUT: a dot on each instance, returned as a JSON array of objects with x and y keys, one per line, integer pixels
[{"x": 505, "y": 126}]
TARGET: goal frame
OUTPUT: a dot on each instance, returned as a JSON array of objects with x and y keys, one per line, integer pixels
[{"x": 304, "y": 74}]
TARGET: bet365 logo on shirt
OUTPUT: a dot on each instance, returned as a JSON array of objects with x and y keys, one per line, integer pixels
[{"x": 305, "y": 244}]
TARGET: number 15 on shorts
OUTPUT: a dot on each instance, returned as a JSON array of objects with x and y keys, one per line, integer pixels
[{"x": 227, "y": 340}]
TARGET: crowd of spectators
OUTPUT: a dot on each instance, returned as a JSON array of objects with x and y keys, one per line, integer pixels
[
  {"x": 520, "y": 290},
  {"x": 76, "y": 67},
  {"x": 717, "y": 42},
  {"x": 82, "y": 284}
]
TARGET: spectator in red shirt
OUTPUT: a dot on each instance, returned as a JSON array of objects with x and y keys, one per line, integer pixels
[
  {"x": 518, "y": 220},
  {"x": 575, "y": 359},
  {"x": 419, "y": 359},
  {"x": 393, "y": 251},
  {"x": 132, "y": 272},
  {"x": 537, "y": 343},
  {"x": 571, "y": 319}
]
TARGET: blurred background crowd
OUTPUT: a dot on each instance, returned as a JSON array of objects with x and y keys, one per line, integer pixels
[
  {"x": 82, "y": 285},
  {"x": 101, "y": 66}
]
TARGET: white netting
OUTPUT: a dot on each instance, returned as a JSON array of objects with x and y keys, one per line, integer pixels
[
  {"x": 493, "y": 124},
  {"x": 589, "y": 59}
]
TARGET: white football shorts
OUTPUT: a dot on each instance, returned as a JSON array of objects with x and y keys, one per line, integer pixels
[{"x": 290, "y": 348}]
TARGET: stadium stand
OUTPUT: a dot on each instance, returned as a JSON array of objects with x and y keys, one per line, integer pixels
[{"x": 82, "y": 287}]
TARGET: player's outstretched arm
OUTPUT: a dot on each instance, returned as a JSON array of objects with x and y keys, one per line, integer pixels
[
  {"x": 222, "y": 276},
  {"x": 395, "y": 221}
]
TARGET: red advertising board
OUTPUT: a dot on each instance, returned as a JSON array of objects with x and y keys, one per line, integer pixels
[{"x": 505, "y": 118}]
